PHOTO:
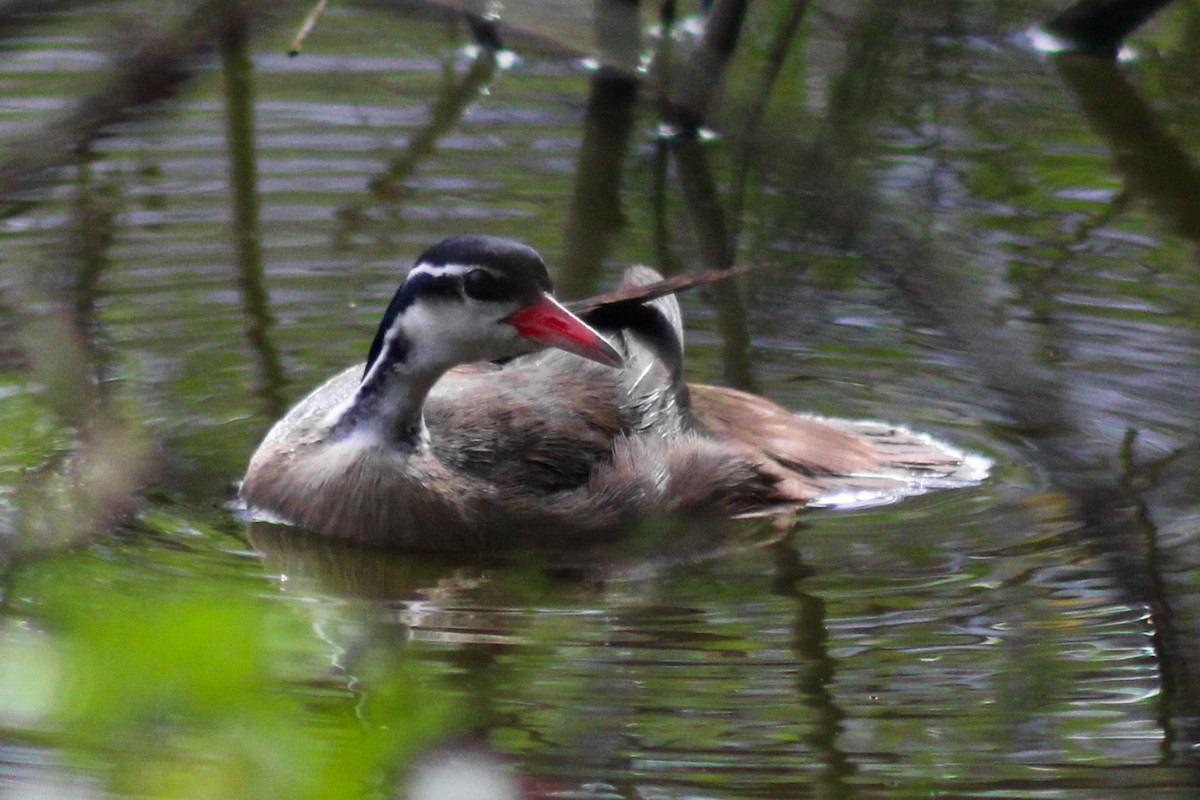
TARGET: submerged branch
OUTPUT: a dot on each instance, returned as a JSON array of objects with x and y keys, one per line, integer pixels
[
  {"x": 156, "y": 71},
  {"x": 238, "y": 72},
  {"x": 1097, "y": 27},
  {"x": 781, "y": 46},
  {"x": 594, "y": 216},
  {"x": 389, "y": 188},
  {"x": 695, "y": 87}
]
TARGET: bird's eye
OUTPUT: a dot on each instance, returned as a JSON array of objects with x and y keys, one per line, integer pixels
[{"x": 480, "y": 284}]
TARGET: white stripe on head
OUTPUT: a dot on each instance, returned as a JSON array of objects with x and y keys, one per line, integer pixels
[
  {"x": 440, "y": 325},
  {"x": 438, "y": 270},
  {"x": 420, "y": 270}
]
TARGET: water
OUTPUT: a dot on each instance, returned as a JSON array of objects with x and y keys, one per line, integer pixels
[{"x": 952, "y": 233}]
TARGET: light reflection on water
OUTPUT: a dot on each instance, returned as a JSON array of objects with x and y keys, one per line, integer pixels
[{"x": 980, "y": 641}]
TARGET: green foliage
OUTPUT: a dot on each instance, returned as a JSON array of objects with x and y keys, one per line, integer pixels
[
  {"x": 28, "y": 430},
  {"x": 208, "y": 693}
]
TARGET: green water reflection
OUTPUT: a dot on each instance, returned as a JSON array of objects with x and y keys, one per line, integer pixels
[{"x": 951, "y": 232}]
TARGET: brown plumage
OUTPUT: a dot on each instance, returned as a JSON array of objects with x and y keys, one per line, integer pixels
[{"x": 549, "y": 449}]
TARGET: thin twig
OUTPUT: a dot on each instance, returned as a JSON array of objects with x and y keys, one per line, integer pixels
[{"x": 306, "y": 28}]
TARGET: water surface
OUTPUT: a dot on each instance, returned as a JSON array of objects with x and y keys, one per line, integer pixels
[{"x": 951, "y": 232}]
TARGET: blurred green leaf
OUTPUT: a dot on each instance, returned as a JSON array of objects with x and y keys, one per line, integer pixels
[{"x": 199, "y": 695}]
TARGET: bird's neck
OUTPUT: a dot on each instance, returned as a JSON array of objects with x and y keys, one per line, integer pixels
[{"x": 389, "y": 401}]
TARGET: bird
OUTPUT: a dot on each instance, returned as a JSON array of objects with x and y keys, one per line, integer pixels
[{"x": 488, "y": 416}]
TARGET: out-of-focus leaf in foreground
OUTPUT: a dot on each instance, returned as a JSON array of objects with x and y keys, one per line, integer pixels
[{"x": 207, "y": 695}]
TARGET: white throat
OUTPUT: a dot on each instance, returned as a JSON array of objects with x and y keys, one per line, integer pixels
[{"x": 428, "y": 338}]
